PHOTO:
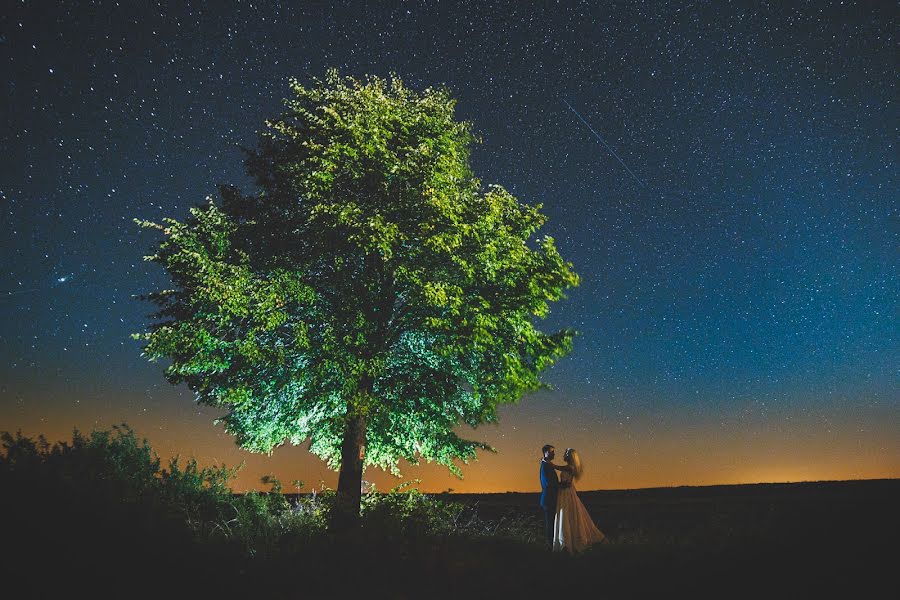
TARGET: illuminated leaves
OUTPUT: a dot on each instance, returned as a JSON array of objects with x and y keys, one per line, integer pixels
[{"x": 371, "y": 274}]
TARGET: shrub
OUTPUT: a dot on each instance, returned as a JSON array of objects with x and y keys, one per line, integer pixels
[
  {"x": 101, "y": 480},
  {"x": 108, "y": 488},
  {"x": 408, "y": 513}
]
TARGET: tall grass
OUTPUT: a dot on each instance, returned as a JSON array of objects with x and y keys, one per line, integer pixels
[
  {"x": 102, "y": 515},
  {"x": 111, "y": 478}
]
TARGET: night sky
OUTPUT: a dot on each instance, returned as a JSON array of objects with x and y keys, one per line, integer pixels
[{"x": 732, "y": 216}]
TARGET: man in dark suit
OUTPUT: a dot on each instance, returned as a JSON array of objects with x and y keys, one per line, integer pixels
[{"x": 549, "y": 489}]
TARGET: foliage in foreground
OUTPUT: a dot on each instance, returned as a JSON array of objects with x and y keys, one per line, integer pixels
[
  {"x": 115, "y": 479},
  {"x": 100, "y": 514}
]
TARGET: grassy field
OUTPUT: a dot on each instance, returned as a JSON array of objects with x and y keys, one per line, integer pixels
[
  {"x": 685, "y": 515},
  {"x": 797, "y": 540},
  {"x": 102, "y": 518}
]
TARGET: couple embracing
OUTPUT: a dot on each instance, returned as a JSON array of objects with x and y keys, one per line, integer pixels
[{"x": 566, "y": 521}]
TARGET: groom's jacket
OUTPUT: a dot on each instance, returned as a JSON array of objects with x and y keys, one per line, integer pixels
[{"x": 549, "y": 485}]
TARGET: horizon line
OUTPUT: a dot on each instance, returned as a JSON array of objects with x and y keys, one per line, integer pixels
[{"x": 672, "y": 487}]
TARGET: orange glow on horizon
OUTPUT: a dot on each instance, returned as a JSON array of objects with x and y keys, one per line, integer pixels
[{"x": 613, "y": 459}]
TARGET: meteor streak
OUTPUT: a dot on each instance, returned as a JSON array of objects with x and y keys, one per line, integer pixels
[{"x": 602, "y": 141}]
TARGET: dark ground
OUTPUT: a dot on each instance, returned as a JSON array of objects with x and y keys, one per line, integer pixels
[
  {"x": 797, "y": 540},
  {"x": 806, "y": 540},
  {"x": 679, "y": 514}
]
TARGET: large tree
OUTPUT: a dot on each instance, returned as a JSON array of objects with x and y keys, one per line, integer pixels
[{"x": 370, "y": 297}]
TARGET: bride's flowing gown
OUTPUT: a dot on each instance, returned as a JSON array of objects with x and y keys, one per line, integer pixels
[{"x": 573, "y": 529}]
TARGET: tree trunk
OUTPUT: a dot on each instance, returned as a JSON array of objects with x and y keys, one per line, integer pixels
[{"x": 345, "y": 514}]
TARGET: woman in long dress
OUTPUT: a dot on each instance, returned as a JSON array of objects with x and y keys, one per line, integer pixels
[{"x": 573, "y": 529}]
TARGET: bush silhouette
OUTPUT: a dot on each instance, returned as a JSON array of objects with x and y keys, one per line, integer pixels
[
  {"x": 101, "y": 514},
  {"x": 102, "y": 508}
]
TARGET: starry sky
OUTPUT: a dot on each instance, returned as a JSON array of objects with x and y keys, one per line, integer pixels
[{"x": 722, "y": 176}]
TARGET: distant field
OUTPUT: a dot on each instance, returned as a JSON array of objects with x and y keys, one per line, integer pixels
[
  {"x": 803, "y": 540},
  {"x": 100, "y": 517},
  {"x": 867, "y": 509},
  {"x": 797, "y": 540},
  {"x": 679, "y": 514}
]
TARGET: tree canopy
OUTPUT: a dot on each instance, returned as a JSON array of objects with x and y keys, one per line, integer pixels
[{"x": 371, "y": 278}]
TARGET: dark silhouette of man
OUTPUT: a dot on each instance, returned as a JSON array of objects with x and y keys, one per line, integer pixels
[{"x": 549, "y": 489}]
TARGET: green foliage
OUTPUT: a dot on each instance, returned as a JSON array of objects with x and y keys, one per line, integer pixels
[
  {"x": 267, "y": 524},
  {"x": 113, "y": 468},
  {"x": 372, "y": 274},
  {"x": 408, "y": 513},
  {"x": 405, "y": 513},
  {"x": 112, "y": 477}
]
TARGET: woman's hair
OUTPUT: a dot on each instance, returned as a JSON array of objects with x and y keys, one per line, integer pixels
[{"x": 573, "y": 460}]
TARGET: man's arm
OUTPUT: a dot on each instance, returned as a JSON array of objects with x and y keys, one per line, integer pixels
[{"x": 549, "y": 475}]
